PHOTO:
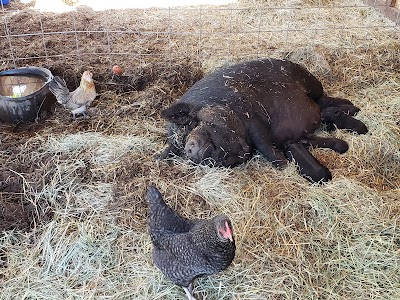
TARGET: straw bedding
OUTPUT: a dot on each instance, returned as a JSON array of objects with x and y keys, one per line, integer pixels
[{"x": 73, "y": 214}]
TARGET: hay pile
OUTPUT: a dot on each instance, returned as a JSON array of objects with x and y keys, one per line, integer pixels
[{"x": 72, "y": 193}]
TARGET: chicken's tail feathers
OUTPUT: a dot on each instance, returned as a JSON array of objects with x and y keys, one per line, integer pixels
[
  {"x": 60, "y": 81},
  {"x": 155, "y": 201},
  {"x": 56, "y": 84},
  {"x": 154, "y": 196},
  {"x": 59, "y": 89},
  {"x": 162, "y": 217}
]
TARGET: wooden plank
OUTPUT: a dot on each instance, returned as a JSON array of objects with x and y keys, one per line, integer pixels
[{"x": 389, "y": 8}]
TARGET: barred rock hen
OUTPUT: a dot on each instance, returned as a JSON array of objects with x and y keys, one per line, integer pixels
[
  {"x": 78, "y": 100},
  {"x": 185, "y": 249}
]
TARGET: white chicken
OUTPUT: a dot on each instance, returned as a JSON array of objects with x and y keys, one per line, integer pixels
[{"x": 78, "y": 100}]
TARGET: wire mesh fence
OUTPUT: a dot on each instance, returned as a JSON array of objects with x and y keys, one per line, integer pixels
[{"x": 237, "y": 30}]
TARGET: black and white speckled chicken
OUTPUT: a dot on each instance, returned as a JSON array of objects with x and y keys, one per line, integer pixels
[
  {"x": 78, "y": 100},
  {"x": 185, "y": 249}
]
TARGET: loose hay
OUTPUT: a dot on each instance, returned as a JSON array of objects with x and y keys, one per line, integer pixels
[
  {"x": 214, "y": 185},
  {"x": 80, "y": 185},
  {"x": 100, "y": 149}
]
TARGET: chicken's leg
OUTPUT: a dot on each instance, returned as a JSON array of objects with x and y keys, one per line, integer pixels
[{"x": 189, "y": 291}]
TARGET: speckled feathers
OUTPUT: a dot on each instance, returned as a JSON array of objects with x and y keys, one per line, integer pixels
[{"x": 184, "y": 249}]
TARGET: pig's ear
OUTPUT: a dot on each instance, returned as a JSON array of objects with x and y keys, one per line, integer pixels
[{"x": 179, "y": 113}]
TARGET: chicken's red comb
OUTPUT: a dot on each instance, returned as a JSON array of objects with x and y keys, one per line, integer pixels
[{"x": 226, "y": 232}]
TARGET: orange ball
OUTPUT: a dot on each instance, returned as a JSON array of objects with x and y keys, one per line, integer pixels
[{"x": 117, "y": 70}]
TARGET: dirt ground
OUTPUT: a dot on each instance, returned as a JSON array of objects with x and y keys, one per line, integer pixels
[
  {"x": 62, "y": 181},
  {"x": 140, "y": 96}
]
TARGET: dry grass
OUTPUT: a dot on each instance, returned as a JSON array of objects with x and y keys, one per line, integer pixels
[{"x": 82, "y": 184}]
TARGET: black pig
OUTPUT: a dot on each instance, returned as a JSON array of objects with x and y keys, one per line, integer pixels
[{"x": 273, "y": 106}]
